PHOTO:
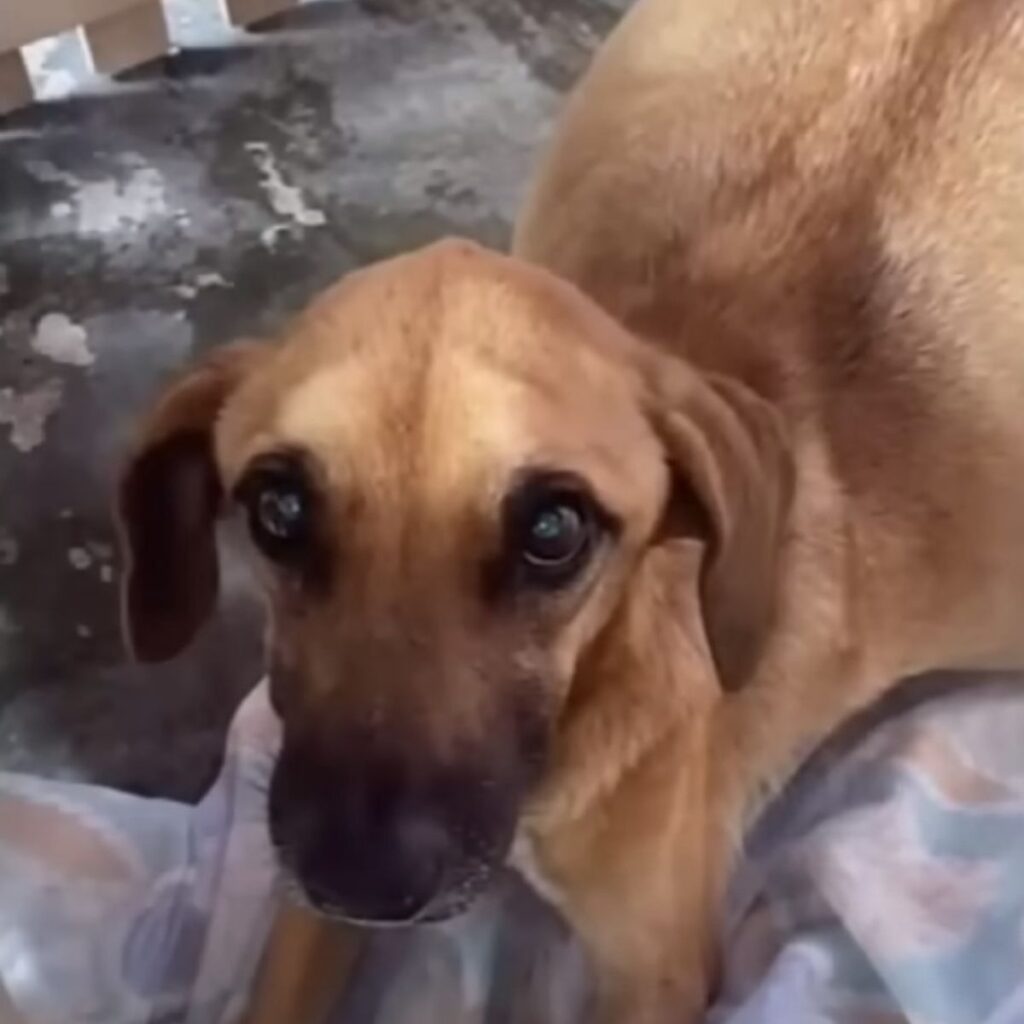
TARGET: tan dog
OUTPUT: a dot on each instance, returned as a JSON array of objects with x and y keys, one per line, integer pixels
[{"x": 596, "y": 579}]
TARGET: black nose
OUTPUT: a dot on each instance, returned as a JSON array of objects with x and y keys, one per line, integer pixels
[{"x": 363, "y": 843}]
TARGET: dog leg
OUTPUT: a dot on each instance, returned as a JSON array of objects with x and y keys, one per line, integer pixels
[
  {"x": 634, "y": 878},
  {"x": 305, "y": 969}
]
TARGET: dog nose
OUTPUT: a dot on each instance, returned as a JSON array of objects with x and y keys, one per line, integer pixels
[
  {"x": 359, "y": 845},
  {"x": 388, "y": 872}
]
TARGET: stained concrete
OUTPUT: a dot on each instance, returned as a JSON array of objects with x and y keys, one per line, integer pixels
[{"x": 203, "y": 198}]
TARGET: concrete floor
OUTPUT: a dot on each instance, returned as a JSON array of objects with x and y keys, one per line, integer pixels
[{"x": 203, "y": 198}]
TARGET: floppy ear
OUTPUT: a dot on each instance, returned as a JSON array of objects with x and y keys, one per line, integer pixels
[
  {"x": 733, "y": 479},
  {"x": 167, "y": 504}
]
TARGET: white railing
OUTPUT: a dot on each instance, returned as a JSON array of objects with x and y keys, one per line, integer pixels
[{"x": 118, "y": 34}]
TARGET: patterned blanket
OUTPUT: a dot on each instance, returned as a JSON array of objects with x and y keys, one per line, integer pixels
[
  {"x": 887, "y": 883},
  {"x": 884, "y": 885}
]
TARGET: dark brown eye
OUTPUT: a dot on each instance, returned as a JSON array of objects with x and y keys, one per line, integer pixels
[
  {"x": 280, "y": 514},
  {"x": 556, "y": 536},
  {"x": 278, "y": 503},
  {"x": 556, "y": 528},
  {"x": 553, "y": 530}
]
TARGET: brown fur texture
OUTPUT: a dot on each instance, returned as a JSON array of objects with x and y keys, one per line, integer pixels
[
  {"x": 825, "y": 202},
  {"x": 775, "y": 321}
]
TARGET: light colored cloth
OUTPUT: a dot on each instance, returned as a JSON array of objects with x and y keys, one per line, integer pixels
[
  {"x": 885, "y": 885},
  {"x": 116, "y": 909}
]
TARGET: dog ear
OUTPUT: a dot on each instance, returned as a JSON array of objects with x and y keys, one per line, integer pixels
[
  {"x": 733, "y": 481},
  {"x": 168, "y": 500}
]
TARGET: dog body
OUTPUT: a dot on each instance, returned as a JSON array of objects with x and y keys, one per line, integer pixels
[
  {"x": 826, "y": 203},
  {"x": 572, "y": 562}
]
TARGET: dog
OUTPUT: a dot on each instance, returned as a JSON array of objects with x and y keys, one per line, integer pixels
[{"x": 571, "y": 555}]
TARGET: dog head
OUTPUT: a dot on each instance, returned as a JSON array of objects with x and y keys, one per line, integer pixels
[{"x": 451, "y": 468}]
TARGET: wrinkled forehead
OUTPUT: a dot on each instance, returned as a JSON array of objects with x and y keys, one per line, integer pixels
[{"x": 428, "y": 382}]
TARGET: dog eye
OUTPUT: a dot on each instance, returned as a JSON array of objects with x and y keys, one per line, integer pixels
[
  {"x": 553, "y": 527},
  {"x": 277, "y": 502},
  {"x": 556, "y": 535},
  {"x": 555, "y": 538},
  {"x": 279, "y": 514}
]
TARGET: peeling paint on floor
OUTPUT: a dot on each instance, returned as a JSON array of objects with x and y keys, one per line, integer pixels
[
  {"x": 284, "y": 199},
  {"x": 106, "y": 207},
  {"x": 60, "y": 339},
  {"x": 26, "y": 413}
]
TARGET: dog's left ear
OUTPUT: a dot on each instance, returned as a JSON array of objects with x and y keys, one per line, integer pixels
[
  {"x": 732, "y": 482},
  {"x": 167, "y": 505}
]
